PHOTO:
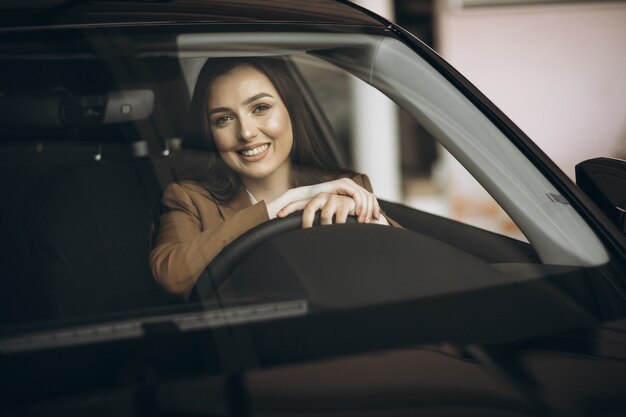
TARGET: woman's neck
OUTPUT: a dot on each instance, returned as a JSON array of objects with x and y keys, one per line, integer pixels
[{"x": 271, "y": 187}]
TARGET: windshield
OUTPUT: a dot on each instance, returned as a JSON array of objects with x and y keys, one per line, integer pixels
[{"x": 133, "y": 163}]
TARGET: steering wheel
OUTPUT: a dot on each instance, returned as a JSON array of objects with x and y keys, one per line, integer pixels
[{"x": 223, "y": 265}]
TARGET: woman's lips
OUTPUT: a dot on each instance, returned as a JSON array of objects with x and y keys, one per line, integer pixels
[{"x": 256, "y": 153}]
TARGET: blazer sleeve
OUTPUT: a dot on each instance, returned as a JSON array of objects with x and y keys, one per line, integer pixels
[
  {"x": 364, "y": 182},
  {"x": 191, "y": 233}
]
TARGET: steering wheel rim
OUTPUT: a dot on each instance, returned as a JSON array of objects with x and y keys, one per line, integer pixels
[{"x": 223, "y": 265}]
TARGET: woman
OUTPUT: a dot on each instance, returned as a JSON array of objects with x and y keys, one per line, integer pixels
[{"x": 266, "y": 160}]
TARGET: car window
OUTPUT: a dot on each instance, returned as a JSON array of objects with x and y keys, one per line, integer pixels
[
  {"x": 483, "y": 150},
  {"x": 446, "y": 189},
  {"x": 492, "y": 159},
  {"x": 100, "y": 160}
]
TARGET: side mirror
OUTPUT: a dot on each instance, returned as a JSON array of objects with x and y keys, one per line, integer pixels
[{"x": 604, "y": 180}]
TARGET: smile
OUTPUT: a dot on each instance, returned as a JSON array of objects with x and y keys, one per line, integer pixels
[{"x": 257, "y": 151}]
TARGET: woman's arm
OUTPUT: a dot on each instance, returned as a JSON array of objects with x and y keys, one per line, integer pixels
[
  {"x": 366, "y": 205},
  {"x": 338, "y": 199},
  {"x": 191, "y": 233}
]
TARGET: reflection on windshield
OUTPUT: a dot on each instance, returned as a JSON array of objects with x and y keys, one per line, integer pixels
[
  {"x": 125, "y": 186},
  {"x": 131, "y": 329}
]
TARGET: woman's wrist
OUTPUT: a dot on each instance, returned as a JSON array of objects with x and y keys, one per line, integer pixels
[
  {"x": 274, "y": 206},
  {"x": 291, "y": 195}
]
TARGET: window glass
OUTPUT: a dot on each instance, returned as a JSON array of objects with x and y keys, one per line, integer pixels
[
  {"x": 444, "y": 188},
  {"x": 124, "y": 182}
]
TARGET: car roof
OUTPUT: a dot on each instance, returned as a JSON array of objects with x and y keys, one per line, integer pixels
[{"x": 20, "y": 14}]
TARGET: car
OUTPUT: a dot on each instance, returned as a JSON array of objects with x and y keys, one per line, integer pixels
[{"x": 434, "y": 318}]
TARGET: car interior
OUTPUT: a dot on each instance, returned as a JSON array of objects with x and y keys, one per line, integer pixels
[
  {"x": 438, "y": 317},
  {"x": 83, "y": 188}
]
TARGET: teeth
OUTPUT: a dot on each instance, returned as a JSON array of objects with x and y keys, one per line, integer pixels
[{"x": 255, "y": 151}]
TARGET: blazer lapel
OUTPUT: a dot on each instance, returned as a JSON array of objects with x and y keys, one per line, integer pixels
[{"x": 240, "y": 202}]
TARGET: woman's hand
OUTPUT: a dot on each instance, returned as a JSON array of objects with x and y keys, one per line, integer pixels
[
  {"x": 366, "y": 204},
  {"x": 330, "y": 206},
  {"x": 356, "y": 200}
]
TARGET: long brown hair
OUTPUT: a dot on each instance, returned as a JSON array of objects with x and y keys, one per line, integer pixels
[{"x": 311, "y": 157}]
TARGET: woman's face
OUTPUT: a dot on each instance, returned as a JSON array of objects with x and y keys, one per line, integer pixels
[{"x": 250, "y": 124}]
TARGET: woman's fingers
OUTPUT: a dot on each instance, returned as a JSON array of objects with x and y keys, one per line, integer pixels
[
  {"x": 367, "y": 210},
  {"x": 376, "y": 209},
  {"x": 292, "y": 207},
  {"x": 328, "y": 212},
  {"x": 337, "y": 207},
  {"x": 373, "y": 204},
  {"x": 361, "y": 210},
  {"x": 346, "y": 198},
  {"x": 344, "y": 186},
  {"x": 365, "y": 215},
  {"x": 308, "y": 213},
  {"x": 331, "y": 207},
  {"x": 366, "y": 205},
  {"x": 344, "y": 210},
  {"x": 358, "y": 193},
  {"x": 349, "y": 188}
]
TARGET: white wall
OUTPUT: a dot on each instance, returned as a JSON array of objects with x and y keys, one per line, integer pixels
[{"x": 558, "y": 71}]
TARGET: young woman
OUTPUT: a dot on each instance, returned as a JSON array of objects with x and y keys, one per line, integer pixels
[{"x": 266, "y": 160}]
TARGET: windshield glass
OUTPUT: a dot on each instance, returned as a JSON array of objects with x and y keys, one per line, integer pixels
[{"x": 148, "y": 175}]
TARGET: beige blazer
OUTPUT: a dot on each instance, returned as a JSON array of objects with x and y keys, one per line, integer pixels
[{"x": 194, "y": 228}]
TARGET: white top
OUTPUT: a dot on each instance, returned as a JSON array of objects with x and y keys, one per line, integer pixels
[{"x": 252, "y": 199}]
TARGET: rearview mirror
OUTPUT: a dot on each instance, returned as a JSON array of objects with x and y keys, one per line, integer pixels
[
  {"x": 604, "y": 180},
  {"x": 62, "y": 109}
]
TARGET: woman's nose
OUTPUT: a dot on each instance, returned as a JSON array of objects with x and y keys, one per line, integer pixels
[{"x": 247, "y": 129}]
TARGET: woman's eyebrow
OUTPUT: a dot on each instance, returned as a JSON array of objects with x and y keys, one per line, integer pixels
[
  {"x": 256, "y": 97},
  {"x": 217, "y": 110},
  {"x": 245, "y": 103}
]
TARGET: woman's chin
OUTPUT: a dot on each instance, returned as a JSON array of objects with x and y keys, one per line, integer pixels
[{"x": 258, "y": 173}]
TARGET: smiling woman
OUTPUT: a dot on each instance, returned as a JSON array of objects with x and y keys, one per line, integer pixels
[
  {"x": 252, "y": 130},
  {"x": 97, "y": 127},
  {"x": 266, "y": 160}
]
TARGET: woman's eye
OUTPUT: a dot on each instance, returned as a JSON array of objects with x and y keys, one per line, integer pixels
[
  {"x": 261, "y": 108},
  {"x": 222, "y": 120}
]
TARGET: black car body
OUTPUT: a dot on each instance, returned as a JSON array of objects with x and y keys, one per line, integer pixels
[{"x": 444, "y": 320}]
